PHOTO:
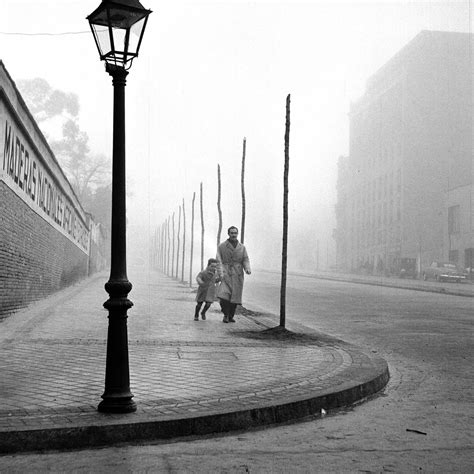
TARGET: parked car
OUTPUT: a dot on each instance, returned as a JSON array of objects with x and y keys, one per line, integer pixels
[{"x": 444, "y": 271}]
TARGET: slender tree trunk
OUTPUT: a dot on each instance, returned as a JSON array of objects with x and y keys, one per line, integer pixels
[
  {"x": 219, "y": 211},
  {"x": 172, "y": 251},
  {"x": 192, "y": 244},
  {"x": 158, "y": 248},
  {"x": 179, "y": 243},
  {"x": 184, "y": 242},
  {"x": 168, "y": 250},
  {"x": 202, "y": 232},
  {"x": 242, "y": 187},
  {"x": 284, "y": 252},
  {"x": 154, "y": 250},
  {"x": 163, "y": 246},
  {"x": 163, "y": 257}
]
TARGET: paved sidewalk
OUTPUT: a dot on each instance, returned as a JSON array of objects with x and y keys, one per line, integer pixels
[{"x": 188, "y": 377}]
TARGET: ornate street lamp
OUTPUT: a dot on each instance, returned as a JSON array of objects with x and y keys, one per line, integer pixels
[{"x": 118, "y": 28}]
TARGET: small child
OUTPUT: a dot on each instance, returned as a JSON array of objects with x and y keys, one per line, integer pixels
[{"x": 206, "y": 293}]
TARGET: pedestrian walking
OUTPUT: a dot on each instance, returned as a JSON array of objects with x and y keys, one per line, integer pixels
[
  {"x": 233, "y": 262},
  {"x": 206, "y": 292}
]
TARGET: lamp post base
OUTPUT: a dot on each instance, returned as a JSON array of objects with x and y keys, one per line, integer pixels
[{"x": 117, "y": 405}]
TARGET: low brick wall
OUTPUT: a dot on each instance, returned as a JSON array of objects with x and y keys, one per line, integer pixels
[{"x": 36, "y": 259}]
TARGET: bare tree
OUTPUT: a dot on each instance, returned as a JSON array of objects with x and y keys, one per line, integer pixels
[
  {"x": 156, "y": 249},
  {"x": 162, "y": 248},
  {"x": 184, "y": 242},
  {"x": 284, "y": 252},
  {"x": 172, "y": 252},
  {"x": 160, "y": 260},
  {"x": 192, "y": 244},
  {"x": 163, "y": 258},
  {"x": 242, "y": 187},
  {"x": 178, "y": 246},
  {"x": 202, "y": 232},
  {"x": 168, "y": 249},
  {"x": 219, "y": 211}
]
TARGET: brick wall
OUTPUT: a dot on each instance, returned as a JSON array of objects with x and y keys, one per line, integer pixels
[{"x": 36, "y": 259}]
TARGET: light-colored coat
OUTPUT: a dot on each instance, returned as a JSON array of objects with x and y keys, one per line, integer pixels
[{"x": 232, "y": 263}]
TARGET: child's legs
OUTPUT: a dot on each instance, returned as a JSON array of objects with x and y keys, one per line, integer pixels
[
  {"x": 206, "y": 307},
  {"x": 198, "y": 307}
]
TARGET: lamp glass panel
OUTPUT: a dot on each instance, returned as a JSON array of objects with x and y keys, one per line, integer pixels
[
  {"x": 119, "y": 40},
  {"x": 102, "y": 36},
  {"x": 135, "y": 34}
]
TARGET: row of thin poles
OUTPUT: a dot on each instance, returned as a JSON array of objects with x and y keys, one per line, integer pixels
[
  {"x": 169, "y": 253},
  {"x": 166, "y": 250},
  {"x": 169, "y": 249}
]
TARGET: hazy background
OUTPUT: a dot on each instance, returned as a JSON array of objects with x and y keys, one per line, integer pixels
[{"x": 210, "y": 73}]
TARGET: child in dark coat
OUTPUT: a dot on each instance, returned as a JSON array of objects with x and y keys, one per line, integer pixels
[{"x": 206, "y": 293}]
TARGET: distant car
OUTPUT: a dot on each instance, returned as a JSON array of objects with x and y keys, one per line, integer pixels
[{"x": 444, "y": 271}]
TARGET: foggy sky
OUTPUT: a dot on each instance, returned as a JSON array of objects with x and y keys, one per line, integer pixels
[{"x": 213, "y": 72}]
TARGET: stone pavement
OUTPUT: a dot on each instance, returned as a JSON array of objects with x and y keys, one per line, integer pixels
[{"x": 188, "y": 378}]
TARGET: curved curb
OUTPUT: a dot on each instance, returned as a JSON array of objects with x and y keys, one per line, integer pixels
[{"x": 351, "y": 386}]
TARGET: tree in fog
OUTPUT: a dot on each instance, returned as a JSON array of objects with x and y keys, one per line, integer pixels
[
  {"x": 168, "y": 246},
  {"x": 284, "y": 252},
  {"x": 242, "y": 188},
  {"x": 184, "y": 242},
  {"x": 202, "y": 231},
  {"x": 172, "y": 251},
  {"x": 192, "y": 243},
  {"x": 178, "y": 244},
  {"x": 57, "y": 114},
  {"x": 219, "y": 211}
]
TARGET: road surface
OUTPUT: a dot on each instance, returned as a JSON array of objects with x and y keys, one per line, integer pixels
[{"x": 421, "y": 423}]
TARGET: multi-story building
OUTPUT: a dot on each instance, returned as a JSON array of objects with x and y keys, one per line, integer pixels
[{"x": 406, "y": 188}]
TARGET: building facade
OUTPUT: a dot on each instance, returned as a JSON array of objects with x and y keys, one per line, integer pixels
[{"x": 406, "y": 188}]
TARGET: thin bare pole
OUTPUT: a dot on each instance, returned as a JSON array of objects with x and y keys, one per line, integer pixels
[
  {"x": 202, "y": 232},
  {"x": 168, "y": 246},
  {"x": 178, "y": 247},
  {"x": 158, "y": 254},
  {"x": 219, "y": 211},
  {"x": 184, "y": 242},
  {"x": 192, "y": 244},
  {"x": 242, "y": 187},
  {"x": 163, "y": 257},
  {"x": 172, "y": 252},
  {"x": 163, "y": 247},
  {"x": 284, "y": 252}
]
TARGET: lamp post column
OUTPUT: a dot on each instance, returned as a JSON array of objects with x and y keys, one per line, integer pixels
[{"x": 117, "y": 397}]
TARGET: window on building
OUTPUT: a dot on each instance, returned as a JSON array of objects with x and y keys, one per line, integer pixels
[{"x": 453, "y": 219}]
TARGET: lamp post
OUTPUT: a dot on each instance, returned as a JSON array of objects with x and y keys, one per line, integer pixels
[{"x": 118, "y": 28}]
